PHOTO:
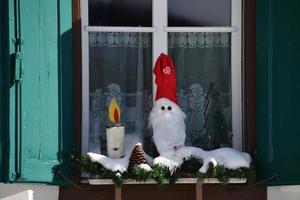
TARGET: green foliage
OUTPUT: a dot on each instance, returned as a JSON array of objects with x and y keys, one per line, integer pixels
[
  {"x": 160, "y": 174},
  {"x": 223, "y": 174},
  {"x": 84, "y": 163}
]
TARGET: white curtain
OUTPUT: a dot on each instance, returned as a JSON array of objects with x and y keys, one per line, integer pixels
[
  {"x": 202, "y": 62},
  {"x": 121, "y": 68}
]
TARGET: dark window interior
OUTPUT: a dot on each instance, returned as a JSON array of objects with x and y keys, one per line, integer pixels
[
  {"x": 120, "y": 13},
  {"x": 139, "y": 13},
  {"x": 199, "y": 12}
]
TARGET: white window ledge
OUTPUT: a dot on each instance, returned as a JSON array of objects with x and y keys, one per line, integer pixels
[{"x": 179, "y": 181}]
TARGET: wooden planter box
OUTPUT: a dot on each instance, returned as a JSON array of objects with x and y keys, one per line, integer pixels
[{"x": 198, "y": 184}]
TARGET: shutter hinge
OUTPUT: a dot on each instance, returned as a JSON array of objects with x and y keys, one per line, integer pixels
[
  {"x": 18, "y": 69},
  {"x": 16, "y": 176},
  {"x": 18, "y": 42}
]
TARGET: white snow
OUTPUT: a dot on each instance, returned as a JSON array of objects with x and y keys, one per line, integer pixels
[
  {"x": 145, "y": 167},
  {"x": 112, "y": 164}
]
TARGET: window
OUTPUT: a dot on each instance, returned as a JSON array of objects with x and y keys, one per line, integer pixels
[{"x": 120, "y": 43}]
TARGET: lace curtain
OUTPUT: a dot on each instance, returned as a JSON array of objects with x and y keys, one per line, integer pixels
[
  {"x": 121, "y": 67},
  {"x": 202, "y": 62}
]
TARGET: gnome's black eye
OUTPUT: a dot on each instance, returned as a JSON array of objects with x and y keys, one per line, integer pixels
[
  {"x": 169, "y": 108},
  {"x": 162, "y": 108}
]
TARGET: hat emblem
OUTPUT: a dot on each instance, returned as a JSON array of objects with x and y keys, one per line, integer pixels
[{"x": 167, "y": 70}]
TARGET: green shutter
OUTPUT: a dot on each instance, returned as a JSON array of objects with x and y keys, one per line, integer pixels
[
  {"x": 278, "y": 90},
  {"x": 40, "y": 98}
]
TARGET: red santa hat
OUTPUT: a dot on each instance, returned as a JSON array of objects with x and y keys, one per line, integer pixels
[{"x": 165, "y": 79}]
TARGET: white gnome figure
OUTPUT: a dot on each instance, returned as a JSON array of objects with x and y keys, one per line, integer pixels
[{"x": 167, "y": 121}]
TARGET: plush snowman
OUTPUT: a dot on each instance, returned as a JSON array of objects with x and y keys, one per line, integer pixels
[{"x": 167, "y": 121}]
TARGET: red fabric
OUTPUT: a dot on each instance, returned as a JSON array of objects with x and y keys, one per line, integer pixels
[{"x": 165, "y": 78}]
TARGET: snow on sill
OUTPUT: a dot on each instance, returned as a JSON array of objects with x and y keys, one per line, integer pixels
[{"x": 179, "y": 181}]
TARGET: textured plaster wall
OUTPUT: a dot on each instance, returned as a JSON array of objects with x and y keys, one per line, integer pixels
[
  {"x": 40, "y": 192},
  {"x": 284, "y": 192}
]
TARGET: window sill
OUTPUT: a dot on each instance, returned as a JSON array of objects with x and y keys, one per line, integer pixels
[{"x": 179, "y": 181}]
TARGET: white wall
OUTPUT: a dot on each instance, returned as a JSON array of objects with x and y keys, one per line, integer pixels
[
  {"x": 46, "y": 192},
  {"x": 40, "y": 192},
  {"x": 284, "y": 192}
]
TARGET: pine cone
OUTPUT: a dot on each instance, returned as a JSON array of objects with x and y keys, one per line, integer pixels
[{"x": 137, "y": 156}]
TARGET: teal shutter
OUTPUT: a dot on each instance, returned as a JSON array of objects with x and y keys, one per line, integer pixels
[
  {"x": 278, "y": 90},
  {"x": 40, "y": 97}
]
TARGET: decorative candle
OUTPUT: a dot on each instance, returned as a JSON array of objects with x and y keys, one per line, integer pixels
[{"x": 115, "y": 134}]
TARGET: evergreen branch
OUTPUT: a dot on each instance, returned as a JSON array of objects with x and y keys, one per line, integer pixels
[{"x": 161, "y": 175}]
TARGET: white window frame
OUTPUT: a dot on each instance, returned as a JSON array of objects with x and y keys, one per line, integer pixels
[{"x": 160, "y": 31}]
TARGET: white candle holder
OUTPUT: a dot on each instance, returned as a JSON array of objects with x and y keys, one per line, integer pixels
[{"x": 115, "y": 141}]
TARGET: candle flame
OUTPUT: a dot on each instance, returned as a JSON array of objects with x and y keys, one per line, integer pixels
[{"x": 114, "y": 111}]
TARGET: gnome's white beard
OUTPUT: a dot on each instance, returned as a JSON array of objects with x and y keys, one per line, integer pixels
[{"x": 168, "y": 126}]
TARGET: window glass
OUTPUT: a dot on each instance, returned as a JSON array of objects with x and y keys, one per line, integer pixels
[
  {"x": 202, "y": 62},
  {"x": 120, "y": 13},
  {"x": 120, "y": 67},
  {"x": 199, "y": 12}
]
